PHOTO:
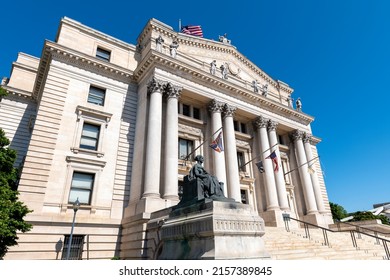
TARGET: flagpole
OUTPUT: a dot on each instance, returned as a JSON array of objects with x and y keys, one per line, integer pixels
[
  {"x": 187, "y": 156},
  {"x": 302, "y": 165},
  {"x": 179, "y": 25}
]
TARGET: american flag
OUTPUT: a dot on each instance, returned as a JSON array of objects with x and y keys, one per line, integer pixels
[
  {"x": 194, "y": 30},
  {"x": 217, "y": 145},
  {"x": 274, "y": 160}
]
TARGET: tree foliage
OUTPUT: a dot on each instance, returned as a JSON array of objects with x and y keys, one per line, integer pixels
[
  {"x": 366, "y": 216},
  {"x": 3, "y": 92},
  {"x": 12, "y": 211},
  {"x": 338, "y": 211}
]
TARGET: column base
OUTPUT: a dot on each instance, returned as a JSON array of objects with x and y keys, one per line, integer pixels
[
  {"x": 150, "y": 204},
  {"x": 318, "y": 219},
  {"x": 273, "y": 218}
]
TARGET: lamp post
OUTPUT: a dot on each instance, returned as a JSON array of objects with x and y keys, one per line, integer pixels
[{"x": 76, "y": 206}]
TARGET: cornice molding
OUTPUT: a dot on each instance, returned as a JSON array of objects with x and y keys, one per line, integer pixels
[
  {"x": 81, "y": 60},
  {"x": 157, "y": 59},
  {"x": 207, "y": 44},
  {"x": 17, "y": 92}
]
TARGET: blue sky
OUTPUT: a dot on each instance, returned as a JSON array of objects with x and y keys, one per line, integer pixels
[{"x": 335, "y": 54}]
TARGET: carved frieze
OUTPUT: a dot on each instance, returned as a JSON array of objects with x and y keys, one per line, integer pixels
[{"x": 190, "y": 130}]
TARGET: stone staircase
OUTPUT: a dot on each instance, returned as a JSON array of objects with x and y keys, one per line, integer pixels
[{"x": 294, "y": 245}]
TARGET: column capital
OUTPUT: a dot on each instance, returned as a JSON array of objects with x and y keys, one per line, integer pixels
[
  {"x": 260, "y": 122},
  {"x": 296, "y": 135},
  {"x": 229, "y": 110},
  {"x": 155, "y": 85},
  {"x": 307, "y": 138},
  {"x": 172, "y": 91},
  {"x": 215, "y": 106},
  {"x": 272, "y": 125}
]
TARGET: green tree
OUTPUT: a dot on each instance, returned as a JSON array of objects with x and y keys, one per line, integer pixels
[
  {"x": 3, "y": 92},
  {"x": 365, "y": 216},
  {"x": 12, "y": 211},
  {"x": 338, "y": 211}
]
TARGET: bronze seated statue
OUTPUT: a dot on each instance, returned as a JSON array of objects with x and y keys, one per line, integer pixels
[{"x": 199, "y": 184}]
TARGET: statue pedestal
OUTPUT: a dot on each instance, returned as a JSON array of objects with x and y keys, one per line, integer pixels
[{"x": 211, "y": 229}]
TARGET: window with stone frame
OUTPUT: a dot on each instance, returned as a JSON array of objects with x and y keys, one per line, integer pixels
[
  {"x": 240, "y": 127},
  {"x": 96, "y": 95},
  {"x": 90, "y": 130},
  {"x": 90, "y": 136},
  {"x": 189, "y": 111},
  {"x": 103, "y": 54},
  {"x": 241, "y": 161},
  {"x": 244, "y": 197},
  {"x": 185, "y": 147},
  {"x": 81, "y": 187}
]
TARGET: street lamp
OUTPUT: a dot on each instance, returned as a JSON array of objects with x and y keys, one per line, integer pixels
[{"x": 76, "y": 206}]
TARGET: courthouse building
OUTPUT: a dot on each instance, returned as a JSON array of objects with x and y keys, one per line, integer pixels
[{"x": 117, "y": 126}]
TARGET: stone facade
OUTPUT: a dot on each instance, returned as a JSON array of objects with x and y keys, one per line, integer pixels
[{"x": 112, "y": 123}]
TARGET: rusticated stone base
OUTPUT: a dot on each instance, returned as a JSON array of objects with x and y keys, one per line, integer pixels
[{"x": 212, "y": 230}]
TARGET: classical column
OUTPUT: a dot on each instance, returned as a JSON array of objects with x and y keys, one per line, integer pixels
[
  {"x": 232, "y": 173},
  {"x": 153, "y": 140},
  {"x": 215, "y": 108},
  {"x": 271, "y": 194},
  {"x": 314, "y": 178},
  {"x": 279, "y": 178},
  {"x": 308, "y": 192},
  {"x": 171, "y": 138}
]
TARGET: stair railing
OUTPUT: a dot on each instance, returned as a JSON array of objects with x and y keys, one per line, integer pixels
[
  {"x": 306, "y": 225},
  {"x": 360, "y": 229}
]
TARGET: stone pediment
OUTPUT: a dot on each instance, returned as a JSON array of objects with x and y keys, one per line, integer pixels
[
  {"x": 200, "y": 53},
  {"x": 192, "y": 57}
]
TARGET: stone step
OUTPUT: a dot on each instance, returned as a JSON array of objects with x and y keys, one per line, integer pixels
[{"x": 294, "y": 245}]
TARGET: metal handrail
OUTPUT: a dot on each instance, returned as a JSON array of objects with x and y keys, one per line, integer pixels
[
  {"x": 287, "y": 218},
  {"x": 376, "y": 232}
]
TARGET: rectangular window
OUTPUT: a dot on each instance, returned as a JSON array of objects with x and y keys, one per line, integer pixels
[
  {"x": 241, "y": 161},
  {"x": 180, "y": 189},
  {"x": 185, "y": 148},
  {"x": 236, "y": 126},
  {"x": 76, "y": 248},
  {"x": 239, "y": 126},
  {"x": 196, "y": 113},
  {"x": 186, "y": 110},
  {"x": 244, "y": 198},
  {"x": 189, "y": 111},
  {"x": 90, "y": 137},
  {"x": 103, "y": 54},
  {"x": 96, "y": 95},
  {"x": 81, "y": 188},
  {"x": 243, "y": 127}
]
